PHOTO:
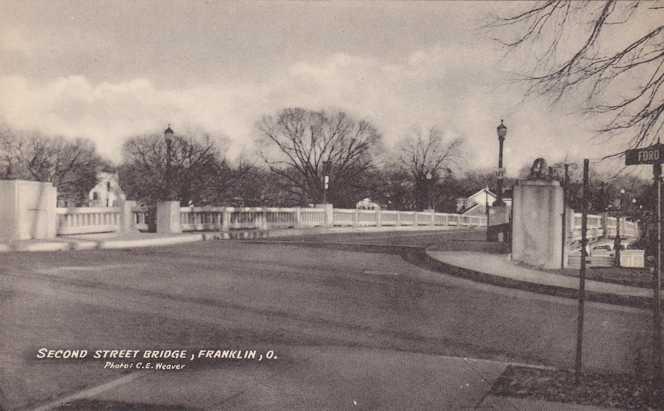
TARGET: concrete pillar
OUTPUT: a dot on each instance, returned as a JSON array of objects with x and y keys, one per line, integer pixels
[
  {"x": 168, "y": 217},
  {"x": 537, "y": 223},
  {"x": 263, "y": 225},
  {"x": 433, "y": 214},
  {"x": 499, "y": 218},
  {"x": 356, "y": 218},
  {"x": 127, "y": 223},
  {"x": 27, "y": 210},
  {"x": 398, "y": 218},
  {"x": 329, "y": 213},
  {"x": 298, "y": 217},
  {"x": 379, "y": 218},
  {"x": 226, "y": 219}
]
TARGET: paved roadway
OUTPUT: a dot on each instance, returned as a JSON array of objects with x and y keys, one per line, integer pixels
[{"x": 352, "y": 330}]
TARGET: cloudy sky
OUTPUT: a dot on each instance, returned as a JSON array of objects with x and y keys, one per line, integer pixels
[{"x": 109, "y": 69}]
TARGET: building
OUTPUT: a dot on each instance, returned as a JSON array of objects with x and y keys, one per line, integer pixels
[
  {"x": 475, "y": 204},
  {"x": 367, "y": 204},
  {"x": 107, "y": 192}
]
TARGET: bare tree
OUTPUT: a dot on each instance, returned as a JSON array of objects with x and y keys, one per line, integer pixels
[
  {"x": 304, "y": 146},
  {"x": 429, "y": 157},
  {"x": 610, "y": 51},
  {"x": 71, "y": 165},
  {"x": 184, "y": 168}
]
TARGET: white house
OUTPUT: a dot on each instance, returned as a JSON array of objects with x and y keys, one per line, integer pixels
[
  {"x": 367, "y": 204},
  {"x": 475, "y": 204},
  {"x": 107, "y": 192}
]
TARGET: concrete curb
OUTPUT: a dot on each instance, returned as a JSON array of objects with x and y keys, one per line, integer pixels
[
  {"x": 418, "y": 256},
  {"x": 615, "y": 299},
  {"x": 84, "y": 244},
  {"x": 70, "y": 244}
]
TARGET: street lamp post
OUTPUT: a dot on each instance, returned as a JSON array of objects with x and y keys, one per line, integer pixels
[
  {"x": 621, "y": 209},
  {"x": 326, "y": 179},
  {"x": 501, "y": 130},
  {"x": 168, "y": 138},
  {"x": 488, "y": 212},
  {"x": 429, "y": 177}
]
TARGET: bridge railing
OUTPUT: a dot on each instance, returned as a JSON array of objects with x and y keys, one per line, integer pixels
[
  {"x": 599, "y": 226},
  {"x": 232, "y": 218},
  {"x": 86, "y": 220}
]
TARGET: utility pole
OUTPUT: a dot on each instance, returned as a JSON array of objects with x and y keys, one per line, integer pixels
[
  {"x": 564, "y": 238},
  {"x": 486, "y": 206},
  {"x": 657, "y": 340},
  {"x": 582, "y": 275}
]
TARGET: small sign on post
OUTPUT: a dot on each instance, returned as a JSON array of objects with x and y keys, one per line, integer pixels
[
  {"x": 500, "y": 172},
  {"x": 646, "y": 155}
]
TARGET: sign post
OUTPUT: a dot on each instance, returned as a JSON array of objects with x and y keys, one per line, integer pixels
[
  {"x": 582, "y": 276},
  {"x": 657, "y": 340},
  {"x": 654, "y": 155}
]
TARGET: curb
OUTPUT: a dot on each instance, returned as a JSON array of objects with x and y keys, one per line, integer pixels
[
  {"x": 418, "y": 256},
  {"x": 478, "y": 276},
  {"x": 77, "y": 245},
  {"x": 72, "y": 244}
]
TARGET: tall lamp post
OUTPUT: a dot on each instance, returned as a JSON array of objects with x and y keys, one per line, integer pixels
[
  {"x": 501, "y": 130},
  {"x": 326, "y": 179},
  {"x": 429, "y": 177},
  {"x": 168, "y": 138},
  {"x": 621, "y": 209}
]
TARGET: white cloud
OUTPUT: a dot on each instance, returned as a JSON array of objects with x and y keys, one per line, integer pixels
[
  {"x": 13, "y": 40},
  {"x": 433, "y": 86}
]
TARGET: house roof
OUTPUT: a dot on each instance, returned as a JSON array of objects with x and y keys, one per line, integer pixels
[
  {"x": 507, "y": 193},
  {"x": 482, "y": 191},
  {"x": 467, "y": 210}
]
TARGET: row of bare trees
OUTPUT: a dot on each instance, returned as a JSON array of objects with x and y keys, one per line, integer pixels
[
  {"x": 71, "y": 165},
  {"x": 298, "y": 149}
]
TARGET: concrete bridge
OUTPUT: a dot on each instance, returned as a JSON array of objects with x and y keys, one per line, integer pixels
[{"x": 32, "y": 214}]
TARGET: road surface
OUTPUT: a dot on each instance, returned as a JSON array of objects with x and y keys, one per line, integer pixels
[{"x": 350, "y": 329}]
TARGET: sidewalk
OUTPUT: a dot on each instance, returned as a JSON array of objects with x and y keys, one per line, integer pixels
[
  {"x": 499, "y": 270},
  {"x": 133, "y": 240},
  {"x": 104, "y": 241},
  {"x": 308, "y": 377}
]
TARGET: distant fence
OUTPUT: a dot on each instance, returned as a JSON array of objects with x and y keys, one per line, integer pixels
[{"x": 599, "y": 226}]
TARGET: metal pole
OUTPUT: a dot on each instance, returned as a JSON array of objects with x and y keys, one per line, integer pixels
[
  {"x": 582, "y": 274},
  {"x": 564, "y": 240},
  {"x": 429, "y": 190},
  {"x": 499, "y": 194},
  {"x": 486, "y": 202},
  {"x": 657, "y": 340},
  {"x": 618, "y": 241},
  {"x": 169, "y": 189}
]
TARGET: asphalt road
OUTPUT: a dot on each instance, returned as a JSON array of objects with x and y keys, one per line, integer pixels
[{"x": 350, "y": 328}]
